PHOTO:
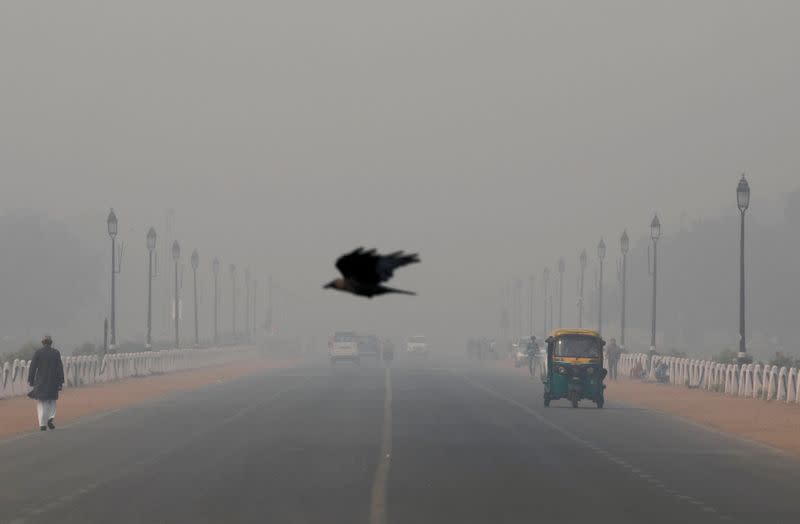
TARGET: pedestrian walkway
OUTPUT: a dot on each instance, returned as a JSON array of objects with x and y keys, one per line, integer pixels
[{"x": 18, "y": 414}]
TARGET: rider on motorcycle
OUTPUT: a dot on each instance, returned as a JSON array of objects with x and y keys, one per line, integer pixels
[{"x": 531, "y": 350}]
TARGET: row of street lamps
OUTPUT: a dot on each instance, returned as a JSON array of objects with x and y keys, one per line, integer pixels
[
  {"x": 116, "y": 252},
  {"x": 743, "y": 203}
]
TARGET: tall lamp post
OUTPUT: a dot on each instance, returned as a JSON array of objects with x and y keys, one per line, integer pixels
[
  {"x": 176, "y": 255},
  {"x": 545, "y": 280},
  {"x": 195, "y": 264},
  {"x": 561, "y": 267},
  {"x": 655, "y": 234},
  {"x": 151, "y": 247},
  {"x": 531, "y": 282},
  {"x": 582, "y": 261},
  {"x": 601, "y": 255},
  {"x": 232, "y": 268},
  {"x": 215, "y": 270},
  {"x": 623, "y": 246},
  {"x": 743, "y": 201},
  {"x": 253, "y": 323},
  {"x": 111, "y": 222},
  {"x": 247, "y": 303}
]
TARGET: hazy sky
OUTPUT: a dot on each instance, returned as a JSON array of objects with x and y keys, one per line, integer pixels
[{"x": 490, "y": 136}]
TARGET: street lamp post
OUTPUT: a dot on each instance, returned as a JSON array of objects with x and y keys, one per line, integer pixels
[
  {"x": 582, "y": 261},
  {"x": 151, "y": 247},
  {"x": 561, "y": 267},
  {"x": 195, "y": 264},
  {"x": 176, "y": 255},
  {"x": 601, "y": 255},
  {"x": 232, "y": 268},
  {"x": 247, "y": 303},
  {"x": 545, "y": 280},
  {"x": 531, "y": 283},
  {"x": 623, "y": 246},
  {"x": 253, "y": 323},
  {"x": 215, "y": 270},
  {"x": 111, "y": 222},
  {"x": 743, "y": 201},
  {"x": 655, "y": 234}
]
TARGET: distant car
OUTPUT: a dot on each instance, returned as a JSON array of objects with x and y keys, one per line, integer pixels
[
  {"x": 369, "y": 346},
  {"x": 520, "y": 354},
  {"x": 417, "y": 346},
  {"x": 344, "y": 346}
]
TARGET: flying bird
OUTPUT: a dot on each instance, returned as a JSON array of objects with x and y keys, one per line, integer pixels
[{"x": 363, "y": 271}]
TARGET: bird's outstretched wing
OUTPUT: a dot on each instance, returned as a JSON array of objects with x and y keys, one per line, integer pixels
[{"x": 369, "y": 267}]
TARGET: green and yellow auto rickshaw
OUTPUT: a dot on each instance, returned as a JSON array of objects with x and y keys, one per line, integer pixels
[{"x": 574, "y": 367}]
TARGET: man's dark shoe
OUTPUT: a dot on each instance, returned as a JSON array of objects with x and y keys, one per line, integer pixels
[
  {"x": 42, "y": 428},
  {"x": 50, "y": 424}
]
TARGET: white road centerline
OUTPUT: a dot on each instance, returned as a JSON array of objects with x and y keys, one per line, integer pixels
[{"x": 377, "y": 510}]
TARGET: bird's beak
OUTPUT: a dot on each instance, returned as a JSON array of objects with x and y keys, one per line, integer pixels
[{"x": 329, "y": 285}]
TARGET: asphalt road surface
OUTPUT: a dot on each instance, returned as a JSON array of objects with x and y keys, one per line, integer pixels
[{"x": 430, "y": 441}]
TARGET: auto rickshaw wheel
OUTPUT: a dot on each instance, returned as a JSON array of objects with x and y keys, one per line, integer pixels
[{"x": 600, "y": 402}]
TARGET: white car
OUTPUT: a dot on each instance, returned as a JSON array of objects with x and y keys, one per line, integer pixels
[
  {"x": 520, "y": 355},
  {"x": 417, "y": 345},
  {"x": 344, "y": 346}
]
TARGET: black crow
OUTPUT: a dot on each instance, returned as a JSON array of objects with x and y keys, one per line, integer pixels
[{"x": 363, "y": 271}]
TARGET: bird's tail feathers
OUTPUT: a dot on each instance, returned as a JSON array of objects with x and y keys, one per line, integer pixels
[{"x": 385, "y": 289}]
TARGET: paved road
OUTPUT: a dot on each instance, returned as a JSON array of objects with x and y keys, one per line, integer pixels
[{"x": 429, "y": 442}]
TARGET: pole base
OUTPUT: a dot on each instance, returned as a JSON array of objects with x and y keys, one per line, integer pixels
[{"x": 743, "y": 358}]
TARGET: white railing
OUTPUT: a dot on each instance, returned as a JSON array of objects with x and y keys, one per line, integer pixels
[
  {"x": 86, "y": 370},
  {"x": 749, "y": 380}
]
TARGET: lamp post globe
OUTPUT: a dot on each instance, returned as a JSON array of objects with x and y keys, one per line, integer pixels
[
  {"x": 176, "y": 251},
  {"x": 111, "y": 222},
  {"x": 195, "y": 259},
  {"x": 624, "y": 242},
  {"x": 743, "y": 194},
  {"x": 151, "y": 239},
  {"x": 601, "y": 249},
  {"x": 655, "y": 228}
]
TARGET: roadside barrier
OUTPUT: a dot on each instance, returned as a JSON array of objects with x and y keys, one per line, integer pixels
[
  {"x": 749, "y": 380},
  {"x": 91, "y": 369}
]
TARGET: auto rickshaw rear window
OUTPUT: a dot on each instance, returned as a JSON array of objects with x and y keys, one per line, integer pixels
[{"x": 578, "y": 346}]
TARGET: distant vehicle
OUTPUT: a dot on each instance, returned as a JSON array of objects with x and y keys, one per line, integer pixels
[
  {"x": 387, "y": 349},
  {"x": 369, "y": 346},
  {"x": 417, "y": 345},
  {"x": 520, "y": 353},
  {"x": 344, "y": 346}
]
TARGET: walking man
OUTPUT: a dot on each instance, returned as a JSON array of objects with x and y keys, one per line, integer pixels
[
  {"x": 613, "y": 351},
  {"x": 46, "y": 377}
]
